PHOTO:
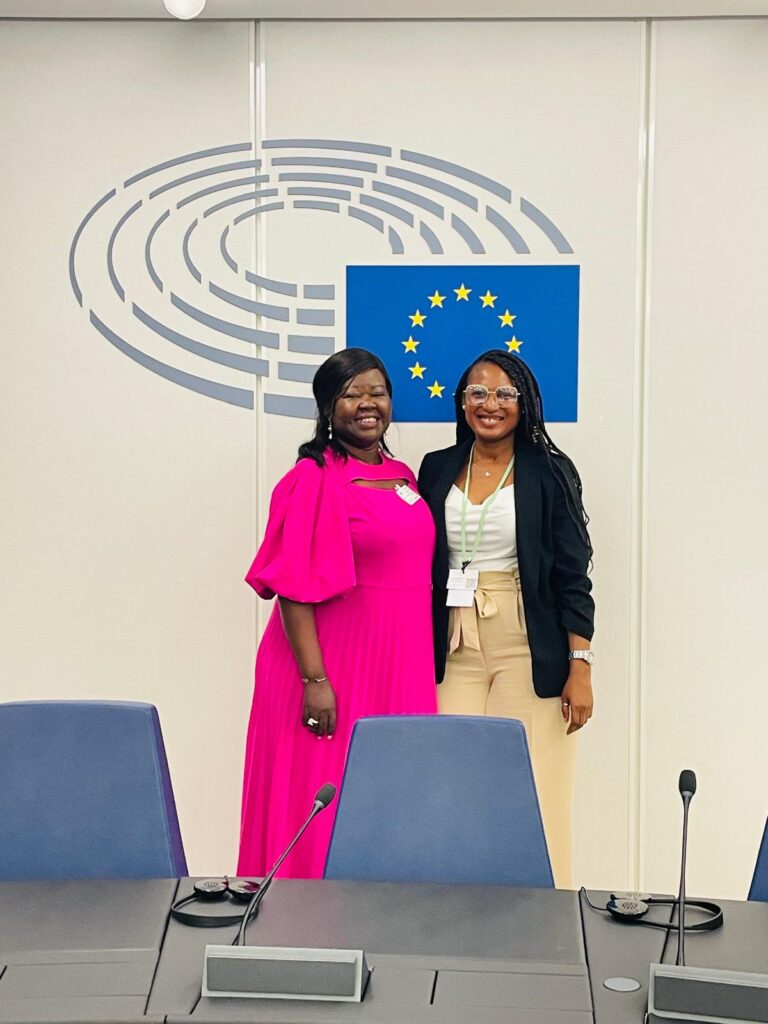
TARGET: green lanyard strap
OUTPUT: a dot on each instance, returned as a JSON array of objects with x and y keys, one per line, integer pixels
[{"x": 465, "y": 561}]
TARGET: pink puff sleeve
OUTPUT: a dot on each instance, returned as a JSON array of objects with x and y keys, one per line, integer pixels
[{"x": 306, "y": 554}]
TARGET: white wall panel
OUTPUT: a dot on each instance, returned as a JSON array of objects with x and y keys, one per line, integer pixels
[
  {"x": 130, "y": 519},
  {"x": 553, "y": 111},
  {"x": 707, "y": 553}
]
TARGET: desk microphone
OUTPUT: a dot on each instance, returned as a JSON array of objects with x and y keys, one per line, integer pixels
[
  {"x": 323, "y": 797},
  {"x": 687, "y": 787}
]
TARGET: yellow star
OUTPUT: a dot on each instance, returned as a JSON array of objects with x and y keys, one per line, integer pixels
[
  {"x": 417, "y": 319},
  {"x": 462, "y": 293},
  {"x": 435, "y": 390},
  {"x": 436, "y": 299},
  {"x": 410, "y": 345},
  {"x": 506, "y": 319},
  {"x": 488, "y": 299},
  {"x": 417, "y": 371},
  {"x": 514, "y": 344}
]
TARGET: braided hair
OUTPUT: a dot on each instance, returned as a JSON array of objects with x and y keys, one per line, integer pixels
[
  {"x": 532, "y": 428},
  {"x": 329, "y": 383}
]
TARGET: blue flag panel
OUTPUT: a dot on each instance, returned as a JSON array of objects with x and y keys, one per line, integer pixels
[{"x": 428, "y": 323}]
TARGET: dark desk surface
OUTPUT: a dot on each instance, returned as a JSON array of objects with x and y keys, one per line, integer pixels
[
  {"x": 80, "y": 951},
  {"x": 621, "y": 950},
  {"x": 431, "y": 947},
  {"x": 106, "y": 951}
]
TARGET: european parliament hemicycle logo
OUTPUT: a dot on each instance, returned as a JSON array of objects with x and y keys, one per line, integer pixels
[{"x": 165, "y": 267}]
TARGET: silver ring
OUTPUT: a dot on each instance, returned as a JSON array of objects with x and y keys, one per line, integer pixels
[{"x": 312, "y": 722}]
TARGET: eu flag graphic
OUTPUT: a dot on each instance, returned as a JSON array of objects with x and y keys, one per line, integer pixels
[{"x": 428, "y": 323}]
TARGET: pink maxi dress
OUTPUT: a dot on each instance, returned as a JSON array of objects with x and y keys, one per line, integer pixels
[{"x": 362, "y": 555}]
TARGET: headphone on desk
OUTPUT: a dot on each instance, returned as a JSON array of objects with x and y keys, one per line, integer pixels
[
  {"x": 631, "y": 908},
  {"x": 213, "y": 890}
]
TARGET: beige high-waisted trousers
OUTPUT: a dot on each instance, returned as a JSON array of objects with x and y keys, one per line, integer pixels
[{"x": 488, "y": 672}]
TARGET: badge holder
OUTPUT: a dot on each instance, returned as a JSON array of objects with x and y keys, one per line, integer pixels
[
  {"x": 407, "y": 493},
  {"x": 462, "y": 585}
]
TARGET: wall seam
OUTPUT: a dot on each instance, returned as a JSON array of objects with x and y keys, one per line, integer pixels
[
  {"x": 643, "y": 752},
  {"x": 638, "y": 571},
  {"x": 258, "y": 111}
]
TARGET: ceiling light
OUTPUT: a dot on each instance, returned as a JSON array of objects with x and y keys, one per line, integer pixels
[{"x": 184, "y": 9}]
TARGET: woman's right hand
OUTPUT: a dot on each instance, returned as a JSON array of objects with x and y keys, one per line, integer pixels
[{"x": 320, "y": 706}]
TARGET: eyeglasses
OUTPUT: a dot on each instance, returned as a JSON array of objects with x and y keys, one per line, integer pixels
[{"x": 477, "y": 394}]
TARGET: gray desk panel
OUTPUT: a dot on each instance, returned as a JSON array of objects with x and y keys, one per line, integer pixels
[
  {"x": 401, "y": 987},
  {"x": 510, "y": 989},
  {"x": 486, "y": 964},
  {"x": 25, "y": 981},
  {"x": 381, "y": 1006},
  {"x": 100, "y": 1010},
  {"x": 391, "y": 994},
  {"x": 617, "y": 950},
  {"x": 113, "y": 914},
  {"x": 411, "y": 927},
  {"x": 239, "y": 1011},
  {"x": 80, "y": 951},
  {"x": 80, "y": 956}
]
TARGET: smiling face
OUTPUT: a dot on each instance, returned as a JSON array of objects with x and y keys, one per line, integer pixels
[
  {"x": 490, "y": 421},
  {"x": 363, "y": 410}
]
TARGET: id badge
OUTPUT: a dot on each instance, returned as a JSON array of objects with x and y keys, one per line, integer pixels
[
  {"x": 466, "y": 579},
  {"x": 407, "y": 493},
  {"x": 461, "y": 588}
]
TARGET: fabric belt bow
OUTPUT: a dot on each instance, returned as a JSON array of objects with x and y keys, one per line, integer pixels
[{"x": 465, "y": 620}]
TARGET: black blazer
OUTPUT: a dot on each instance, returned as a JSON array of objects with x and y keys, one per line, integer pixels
[{"x": 552, "y": 558}]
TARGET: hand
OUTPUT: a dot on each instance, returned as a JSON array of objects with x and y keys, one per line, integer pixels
[
  {"x": 576, "y": 698},
  {"x": 320, "y": 705}
]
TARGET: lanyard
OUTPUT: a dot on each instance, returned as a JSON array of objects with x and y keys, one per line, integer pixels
[{"x": 466, "y": 559}]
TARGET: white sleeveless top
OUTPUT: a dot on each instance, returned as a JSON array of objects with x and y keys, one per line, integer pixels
[{"x": 498, "y": 548}]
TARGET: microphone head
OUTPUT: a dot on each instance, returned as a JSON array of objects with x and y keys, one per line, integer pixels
[
  {"x": 687, "y": 783},
  {"x": 325, "y": 794}
]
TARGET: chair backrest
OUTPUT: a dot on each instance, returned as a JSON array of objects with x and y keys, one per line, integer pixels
[
  {"x": 759, "y": 888},
  {"x": 439, "y": 798},
  {"x": 85, "y": 792}
]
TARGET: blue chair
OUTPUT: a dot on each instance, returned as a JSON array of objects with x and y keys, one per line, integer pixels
[
  {"x": 439, "y": 798},
  {"x": 759, "y": 888},
  {"x": 85, "y": 792}
]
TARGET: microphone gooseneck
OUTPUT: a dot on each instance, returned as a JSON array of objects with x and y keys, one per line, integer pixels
[
  {"x": 687, "y": 787},
  {"x": 323, "y": 797}
]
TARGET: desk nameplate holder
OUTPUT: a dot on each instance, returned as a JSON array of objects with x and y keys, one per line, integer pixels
[
  {"x": 694, "y": 994},
  {"x": 273, "y": 972}
]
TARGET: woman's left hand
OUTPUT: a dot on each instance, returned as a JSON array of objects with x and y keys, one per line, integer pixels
[{"x": 576, "y": 698}]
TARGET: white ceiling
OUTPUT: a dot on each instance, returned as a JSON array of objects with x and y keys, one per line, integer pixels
[{"x": 399, "y": 9}]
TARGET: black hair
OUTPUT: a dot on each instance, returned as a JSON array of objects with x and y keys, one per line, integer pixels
[
  {"x": 330, "y": 380},
  {"x": 532, "y": 429}
]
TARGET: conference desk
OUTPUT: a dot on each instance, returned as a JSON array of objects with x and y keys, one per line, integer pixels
[{"x": 107, "y": 951}]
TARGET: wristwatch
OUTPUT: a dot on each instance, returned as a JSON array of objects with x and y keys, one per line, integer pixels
[{"x": 587, "y": 656}]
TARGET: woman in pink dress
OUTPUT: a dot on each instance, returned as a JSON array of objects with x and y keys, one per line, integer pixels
[{"x": 348, "y": 552}]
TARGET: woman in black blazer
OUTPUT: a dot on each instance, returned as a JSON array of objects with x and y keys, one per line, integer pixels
[{"x": 512, "y": 611}]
